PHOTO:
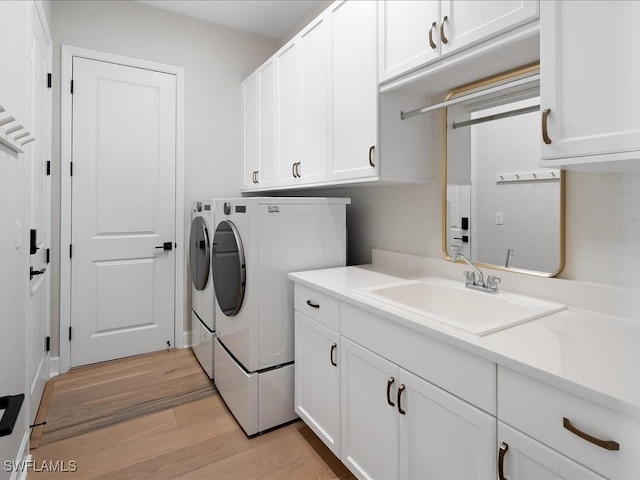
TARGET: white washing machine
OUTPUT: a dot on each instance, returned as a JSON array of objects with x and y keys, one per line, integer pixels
[
  {"x": 257, "y": 241},
  {"x": 202, "y": 292}
]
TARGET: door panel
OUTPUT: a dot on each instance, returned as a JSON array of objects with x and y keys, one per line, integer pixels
[
  {"x": 39, "y": 215},
  {"x": 123, "y": 207}
]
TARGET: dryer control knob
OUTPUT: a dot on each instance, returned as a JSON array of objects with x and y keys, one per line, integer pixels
[
  {"x": 199, "y": 206},
  {"x": 227, "y": 208}
]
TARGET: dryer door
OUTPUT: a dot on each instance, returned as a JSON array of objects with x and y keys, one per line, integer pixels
[
  {"x": 199, "y": 253},
  {"x": 229, "y": 275}
]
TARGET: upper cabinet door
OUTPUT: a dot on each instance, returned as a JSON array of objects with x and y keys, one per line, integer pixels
[
  {"x": 250, "y": 131},
  {"x": 287, "y": 113},
  {"x": 589, "y": 81},
  {"x": 266, "y": 124},
  {"x": 355, "y": 89},
  {"x": 409, "y": 36},
  {"x": 464, "y": 23}
]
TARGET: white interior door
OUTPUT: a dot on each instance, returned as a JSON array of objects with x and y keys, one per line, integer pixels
[
  {"x": 123, "y": 209},
  {"x": 39, "y": 215}
]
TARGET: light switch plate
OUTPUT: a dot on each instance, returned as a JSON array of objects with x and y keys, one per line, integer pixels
[{"x": 499, "y": 218}]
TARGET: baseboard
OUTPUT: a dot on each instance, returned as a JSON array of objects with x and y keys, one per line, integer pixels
[
  {"x": 187, "y": 342},
  {"x": 54, "y": 367},
  {"x": 23, "y": 461}
]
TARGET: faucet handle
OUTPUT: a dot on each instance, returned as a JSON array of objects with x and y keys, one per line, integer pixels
[
  {"x": 470, "y": 277},
  {"x": 493, "y": 282}
]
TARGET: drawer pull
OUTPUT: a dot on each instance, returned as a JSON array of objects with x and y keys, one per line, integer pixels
[
  {"x": 313, "y": 305},
  {"x": 501, "y": 453},
  {"x": 400, "y": 390},
  {"x": 389, "y": 383},
  {"x": 606, "y": 444},
  {"x": 333, "y": 349},
  {"x": 371, "y": 151}
]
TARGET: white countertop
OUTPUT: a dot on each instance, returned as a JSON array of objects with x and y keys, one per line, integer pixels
[{"x": 590, "y": 354}]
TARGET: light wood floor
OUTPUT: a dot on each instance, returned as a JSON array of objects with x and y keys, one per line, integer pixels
[{"x": 115, "y": 428}]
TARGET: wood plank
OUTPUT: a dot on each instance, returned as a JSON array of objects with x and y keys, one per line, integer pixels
[{"x": 113, "y": 432}]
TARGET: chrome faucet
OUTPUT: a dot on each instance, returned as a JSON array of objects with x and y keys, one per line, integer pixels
[{"x": 475, "y": 279}]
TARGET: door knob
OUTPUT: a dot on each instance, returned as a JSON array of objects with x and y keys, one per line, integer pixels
[{"x": 166, "y": 246}]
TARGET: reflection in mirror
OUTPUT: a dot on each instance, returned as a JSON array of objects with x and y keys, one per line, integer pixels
[{"x": 502, "y": 208}]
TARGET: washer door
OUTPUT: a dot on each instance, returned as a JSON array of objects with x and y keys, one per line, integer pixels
[
  {"x": 229, "y": 273},
  {"x": 199, "y": 253}
]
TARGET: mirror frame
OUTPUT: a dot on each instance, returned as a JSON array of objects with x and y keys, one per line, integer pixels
[{"x": 461, "y": 90}]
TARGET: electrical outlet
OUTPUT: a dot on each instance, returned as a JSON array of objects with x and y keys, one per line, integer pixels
[{"x": 499, "y": 218}]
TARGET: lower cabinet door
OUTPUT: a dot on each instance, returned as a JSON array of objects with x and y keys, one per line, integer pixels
[
  {"x": 522, "y": 457},
  {"x": 441, "y": 436},
  {"x": 369, "y": 426},
  {"x": 317, "y": 379}
]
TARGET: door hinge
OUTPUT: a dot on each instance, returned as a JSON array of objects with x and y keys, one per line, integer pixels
[
  {"x": 48, "y": 167},
  {"x": 70, "y": 251},
  {"x": 49, "y": 76},
  {"x": 47, "y": 344},
  {"x": 71, "y": 168},
  {"x": 69, "y": 333},
  {"x": 71, "y": 87},
  {"x": 47, "y": 255}
]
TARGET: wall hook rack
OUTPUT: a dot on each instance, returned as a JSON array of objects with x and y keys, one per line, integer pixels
[{"x": 13, "y": 135}]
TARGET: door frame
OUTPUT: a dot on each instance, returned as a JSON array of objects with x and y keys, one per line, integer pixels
[{"x": 66, "y": 105}]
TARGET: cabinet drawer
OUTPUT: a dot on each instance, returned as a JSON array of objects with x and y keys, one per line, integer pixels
[
  {"x": 316, "y": 305},
  {"x": 459, "y": 372},
  {"x": 539, "y": 410}
]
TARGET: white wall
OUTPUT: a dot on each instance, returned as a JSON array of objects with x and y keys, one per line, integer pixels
[
  {"x": 14, "y": 272},
  {"x": 602, "y": 221},
  {"x": 215, "y": 59}
]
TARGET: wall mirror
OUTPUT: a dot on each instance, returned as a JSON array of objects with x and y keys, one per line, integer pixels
[{"x": 501, "y": 208}]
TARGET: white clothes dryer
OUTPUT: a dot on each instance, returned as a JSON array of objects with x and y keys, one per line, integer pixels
[
  {"x": 202, "y": 292},
  {"x": 257, "y": 241}
]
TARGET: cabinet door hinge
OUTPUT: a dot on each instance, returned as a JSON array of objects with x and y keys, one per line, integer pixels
[
  {"x": 71, "y": 168},
  {"x": 69, "y": 333},
  {"x": 70, "y": 251},
  {"x": 47, "y": 255},
  {"x": 47, "y": 344},
  {"x": 71, "y": 87},
  {"x": 48, "y": 167},
  {"x": 49, "y": 80}
]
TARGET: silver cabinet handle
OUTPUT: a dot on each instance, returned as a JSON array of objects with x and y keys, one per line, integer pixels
[
  {"x": 431, "y": 42},
  {"x": 443, "y": 38}
]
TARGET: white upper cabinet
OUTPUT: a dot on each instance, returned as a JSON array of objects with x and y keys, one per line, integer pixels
[
  {"x": 266, "y": 124},
  {"x": 287, "y": 113},
  {"x": 589, "y": 84},
  {"x": 313, "y": 43},
  {"x": 465, "y": 23},
  {"x": 408, "y": 36},
  {"x": 355, "y": 89},
  {"x": 413, "y": 34},
  {"x": 250, "y": 131}
]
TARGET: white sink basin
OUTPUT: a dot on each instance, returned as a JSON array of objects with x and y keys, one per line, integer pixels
[{"x": 452, "y": 303}]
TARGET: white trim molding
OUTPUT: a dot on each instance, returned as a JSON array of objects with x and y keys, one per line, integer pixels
[{"x": 67, "y": 54}]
